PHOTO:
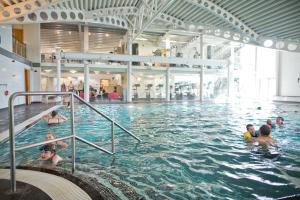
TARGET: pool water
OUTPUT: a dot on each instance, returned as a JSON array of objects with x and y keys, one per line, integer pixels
[{"x": 189, "y": 150}]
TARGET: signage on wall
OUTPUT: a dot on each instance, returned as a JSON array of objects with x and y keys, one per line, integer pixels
[{"x": 3, "y": 87}]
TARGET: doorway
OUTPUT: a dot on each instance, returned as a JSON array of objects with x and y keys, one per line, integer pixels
[{"x": 27, "y": 85}]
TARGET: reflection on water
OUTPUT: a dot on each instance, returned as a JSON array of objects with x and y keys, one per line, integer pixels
[{"x": 189, "y": 150}]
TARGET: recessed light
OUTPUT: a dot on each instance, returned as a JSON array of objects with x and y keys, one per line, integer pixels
[{"x": 73, "y": 71}]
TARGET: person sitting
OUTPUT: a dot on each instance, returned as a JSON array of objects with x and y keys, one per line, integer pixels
[
  {"x": 51, "y": 136},
  {"x": 265, "y": 136},
  {"x": 54, "y": 118},
  {"x": 279, "y": 121},
  {"x": 49, "y": 153},
  {"x": 270, "y": 123},
  {"x": 251, "y": 134},
  {"x": 114, "y": 94}
]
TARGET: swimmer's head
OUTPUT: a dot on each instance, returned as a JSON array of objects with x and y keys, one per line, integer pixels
[
  {"x": 50, "y": 136},
  {"x": 53, "y": 113},
  {"x": 47, "y": 152},
  {"x": 265, "y": 130},
  {"x": 269, "y": 122},
  {"x": 250, "y": 128},
  {"x": 279, "y": 120}
]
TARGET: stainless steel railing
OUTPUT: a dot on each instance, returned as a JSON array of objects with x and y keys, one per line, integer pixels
[{"x": 73, "y": 136}]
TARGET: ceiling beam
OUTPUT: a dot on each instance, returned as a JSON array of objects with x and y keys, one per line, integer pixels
[
  {"x": 23, "y": 8},
  {"x": 225, "y": 15}
]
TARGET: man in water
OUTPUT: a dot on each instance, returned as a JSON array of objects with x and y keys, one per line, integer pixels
[
  {"x": 270, "y": 123},
  {"x": 251, "y": 134},
  {"x": 265, "y": 136}
]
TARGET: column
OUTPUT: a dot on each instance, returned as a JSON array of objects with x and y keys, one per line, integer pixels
[
  {"x": 168, "y": 84},
  {"x": 230, "y": 67},
  {"x": 86, "y": 67},
  {"x": 86, "y": 82},
  {"x": 129, "y": 69},
  {"x": 58, "y": 70},
  {"x": 201, "y": 72}
]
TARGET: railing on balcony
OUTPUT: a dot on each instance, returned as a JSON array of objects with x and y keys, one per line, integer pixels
[{"x": 19, "y": 47}]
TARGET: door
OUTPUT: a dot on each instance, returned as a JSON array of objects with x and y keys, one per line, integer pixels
[{"x": 27, "y": 85}]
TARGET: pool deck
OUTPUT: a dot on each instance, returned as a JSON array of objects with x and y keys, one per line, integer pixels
[{"x": 57, "y": 188}]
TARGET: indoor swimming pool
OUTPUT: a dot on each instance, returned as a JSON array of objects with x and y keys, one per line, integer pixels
[{"x": 189, "y": 150}]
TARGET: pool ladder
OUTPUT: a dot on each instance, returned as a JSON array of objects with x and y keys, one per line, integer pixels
[{"x": 73, "y": 136}]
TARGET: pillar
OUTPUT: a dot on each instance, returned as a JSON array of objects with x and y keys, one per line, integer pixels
[
  {"x": 129, "y": 68},
  {"x": 230, "y": 67},
  {"x": 168, "y": 84},
  {"x": 58, "y": 71},
  {"x": 86, "y": 67},
  {"x": 86, "y": 82},
  {"x": 201, "y": 72}
]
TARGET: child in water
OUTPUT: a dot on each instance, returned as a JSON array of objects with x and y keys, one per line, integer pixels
[
  {"x": 251, "y": 134},
  {"x": 48, "y": 151}
]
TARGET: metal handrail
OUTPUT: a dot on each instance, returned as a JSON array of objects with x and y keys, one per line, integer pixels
[
  {"x": 107, "y": 117},
  {"x": 73, "y": 136}
]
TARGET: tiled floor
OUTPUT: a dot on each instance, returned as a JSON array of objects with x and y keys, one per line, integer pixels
[{"x": 22, "y": 113}]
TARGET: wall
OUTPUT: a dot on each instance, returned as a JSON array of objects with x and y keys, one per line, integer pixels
[
  {"x": 32, "y": 41},
  {"x": 6, "y": 37},
  {"x": 12, "y": 76},
  {"x": 289, "y": 73}
]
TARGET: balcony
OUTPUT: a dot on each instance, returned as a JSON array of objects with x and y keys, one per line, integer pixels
[{"x": 19, "y": 47}]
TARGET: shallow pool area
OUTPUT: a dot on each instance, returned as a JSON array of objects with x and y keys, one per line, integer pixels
[{"x": 189, "y": 150}]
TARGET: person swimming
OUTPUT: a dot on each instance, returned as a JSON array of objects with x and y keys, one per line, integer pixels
[
  {"x": 251, "y": 134},
  {"x": 51, "y": 136},
  {"x": 265, "y": 136},
  {"x": 270, "y": 123},
  {"x": 49, "y": 153},
  {"x": 279, "y": 121},
  {"x": 54, "y": 118}
]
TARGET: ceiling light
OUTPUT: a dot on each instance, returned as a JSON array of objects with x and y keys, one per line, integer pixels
[
  {"x": 69, "y": 32},
  {"x": 96, "y": 72},
  {"x": 227, "y": 34},
  {"x": 268, "y": 43},
  {"x": 107, "y": 73},
  {"x": 73, "y": 71},
  {"x": 236, "y": 36},
  {"x": 292, "y": 47},
  {"x": 48, "y": 70},
  {"x": 106, "y": 34}
]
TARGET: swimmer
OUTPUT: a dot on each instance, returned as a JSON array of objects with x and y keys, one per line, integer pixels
[
  {"x": 51, "y": 136},
  {"x": 270, "y": 123},
  {"x": 251, "y": 134},
  {"x": 265, "y": 136},
  {"x": 54, "y": 118},
  {"x": 279, "y": 121},
  {"x": 49, "y": 153}
]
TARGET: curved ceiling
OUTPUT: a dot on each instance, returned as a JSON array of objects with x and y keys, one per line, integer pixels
[{"x": 250, "y": 21}]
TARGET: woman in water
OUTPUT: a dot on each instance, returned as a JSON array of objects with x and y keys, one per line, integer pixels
[{"x": 54, "y": 118}]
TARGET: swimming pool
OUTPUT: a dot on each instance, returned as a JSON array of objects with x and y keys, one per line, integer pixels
[{"x": 189, "y": 150}]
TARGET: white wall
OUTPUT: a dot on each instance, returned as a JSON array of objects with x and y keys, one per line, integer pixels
[
  {"x": 11, "y": 79},
  {"x": 6, "y": 37},
  {"x": 32, "y": 41},
  {"x": 35, "y": 83},
  {"x": 289, "y": 73}
]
